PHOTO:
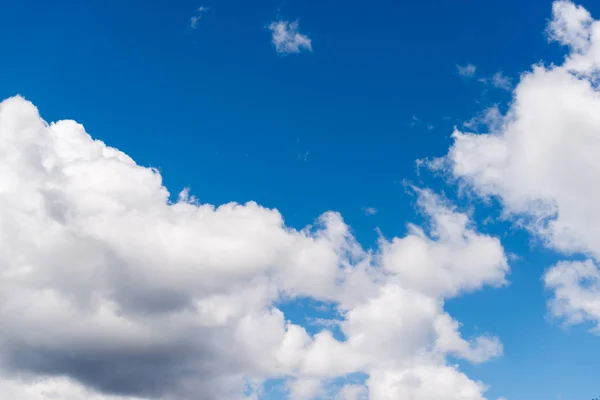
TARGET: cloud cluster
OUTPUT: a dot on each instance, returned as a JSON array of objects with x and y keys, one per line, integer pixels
[
  {"x": 540, "y": 159},
  {"x": 110, "y": 291},
  {"x": 287, "y": 39}
]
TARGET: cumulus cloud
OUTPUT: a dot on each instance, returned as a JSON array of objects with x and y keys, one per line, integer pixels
[
  {"x": 287, "y": 39},
  {"x": 110, "y": 291},
  {"x": 467, "y": 70},
  {"x": 425, "y": 383},
  {"x": 576, "y": 287},
  {"x": 541, "y": 160}
]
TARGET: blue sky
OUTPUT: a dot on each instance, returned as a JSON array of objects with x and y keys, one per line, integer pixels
[{"x": 215, "y": 108}]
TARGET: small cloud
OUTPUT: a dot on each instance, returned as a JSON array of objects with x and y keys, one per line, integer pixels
[
  {"x": 303, "y": 156},
  {"x": 513, "y": 257},
  {"x": 498, "y": 80},
  {"x": 417, "y": 121},
  {"x": 501, "y": 81},
  {"x": 414, "y": 121},
  {"x": 194, "y": 21},
  {"x": 369, "y": 210},
  {"x": 287, "y": 39},
  {"x": 198, "y": 16},
  {"x": 468, "y": 71}
]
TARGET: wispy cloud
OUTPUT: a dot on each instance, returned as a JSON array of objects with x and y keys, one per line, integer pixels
[
  {"x": 498, "y": 80},
  {"x": 491, "y": 118},
  {"x": 414, "y": 121},
  {"x": 303, "y": 156},
  {"x": 287, "y": 39},
  {"x": 467, "y": 71},
  {"x": 501, "y": 81},
  {"x": 369, "y": 210},
  {"x": 197, "y": 16},
  {"x": 417, "y": 121}
]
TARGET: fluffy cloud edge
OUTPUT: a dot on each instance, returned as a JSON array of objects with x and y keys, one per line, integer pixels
[{"x": 135, "y": 296}]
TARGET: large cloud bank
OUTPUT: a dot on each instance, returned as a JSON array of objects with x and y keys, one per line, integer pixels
[{"x": 110, "y": 291}]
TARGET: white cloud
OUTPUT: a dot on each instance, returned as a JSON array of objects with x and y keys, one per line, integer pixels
[
  {"x": 194, "y": 21},
  {"x": 424, "y": 383},
  {"x": 576, "y": 288},
  {"x": 287, "y": 39},
  {"x": 498, "y": 81},
  {"x": 501, "y": 81},
  {"x": 108, "y": 291},
  {"x": 305, "y": 389},
  {"x": 570, "y": 26},
  {"x": 198, "y": 16},
  {"x": 467, "y": 70},
  {"x": 353, "y": 392},
  {"x": 490, "y": 118},
  {"x": 369, "y": 210},
  {"x": 541, "y": 160}
]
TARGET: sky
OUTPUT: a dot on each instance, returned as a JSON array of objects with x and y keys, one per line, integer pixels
[{"x": 299, "y": 200}]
